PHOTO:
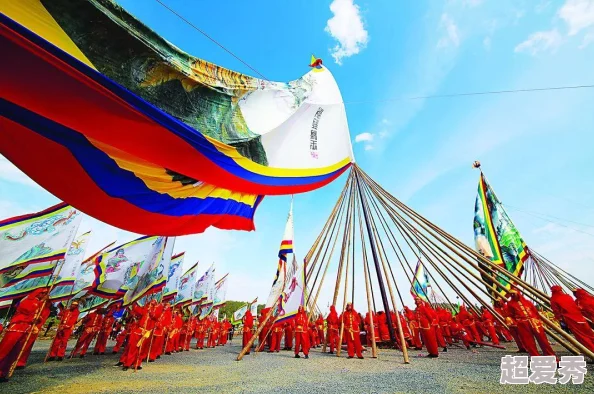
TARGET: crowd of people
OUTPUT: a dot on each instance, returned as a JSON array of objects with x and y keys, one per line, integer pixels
[
  {"x": 144, "y": 333},
  {"x": 147, "y": 332}
]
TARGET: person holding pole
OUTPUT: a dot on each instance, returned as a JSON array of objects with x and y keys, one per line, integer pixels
[
  {"x": 248, "y": 325},
  {"x": 25, "y": 317},
  {"x": 68, "y": 319},
  {"x": 301, "y": 333},
  {"x": 352, "y": 322}
]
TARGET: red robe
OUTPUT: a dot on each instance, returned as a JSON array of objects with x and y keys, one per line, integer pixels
[
  {"x": 424, "y": 316},
  {"x": 160, "y": 332},
  {"x": 36, "y": 329},
  {"x": 488, "y": 318},
  {"x": 585, "y": 302},
  {"x": 565, "y": 309},
  {"x": 467, "y": 320},
  {"x": 224, "y": 334},
  {"x": 368, "y": 329},
  {"x": 18, "y": 330},
  {"x": 289, "y": 329},
  {"x": 92, "y": 325},
  {"x": 445, "y": 319},
  {"x": 529, "y": 326},
  {"x": 248, "y": 326},
  {"x": 68, "y": 319},
  {"x": 276, "y": 334},
  {"x": 301, "y": 334},
  {"x": 104, "y": 332},
  {"x": 351, "y": 321},
  {"x": 414, "y": 328},
  {"x": 384, "y": 333},
  {"x": 332, "y": 324}
]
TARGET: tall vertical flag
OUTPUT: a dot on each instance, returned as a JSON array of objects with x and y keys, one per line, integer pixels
[
  {"x": 66, "y": 274},
  {"x": 152, "y": 275},
  {"x": 285, "y": 249},
  {"x": 497, "y": 238},
  {"x": 173, "y": 276},
  {"x": 420, "y": 285},
  {"x": 203, "y": 290},
  {"x": 220, "y": 291},
  {"x": 238, "y": 315},
  {"x": 32, "y": 244},
  {"x": 117, "y": 270},
  {"x": 85, "y": 276},
  {"x": 185, "y": 288}
]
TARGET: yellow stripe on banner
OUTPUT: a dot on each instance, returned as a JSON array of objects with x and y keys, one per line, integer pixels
[
  {"x": 158, "y": 180},
  {"x": 33, "y": 15},
  {"x": 35, "y": 219},
  {"x": 254, "y": 167}
]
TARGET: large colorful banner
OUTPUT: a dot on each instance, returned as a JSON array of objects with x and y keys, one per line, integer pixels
[
  {"x": 497, "y": 238},
  {"x": 173, "y": 276},
  {"x": 239, "y": 314},
  {"x": 152, "y": 274},
  {"x": 203, "y": 143},
  {"x": 32, "y": 244},
  {"x": 293, "y": 295},
  {"x": 185, "y": 289},
  {"x": 70, "y": 266},
  {"x": 220, "y": 291},
  {"x": 117, "y": 270},
  {"x": 420, "y": 285},
  {"x": 86, "y": 275}
]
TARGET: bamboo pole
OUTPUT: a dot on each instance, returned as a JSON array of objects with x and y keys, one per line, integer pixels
[{"x": 344, "y": 301}]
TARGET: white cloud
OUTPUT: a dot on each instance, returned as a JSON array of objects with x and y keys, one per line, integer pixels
[
  {"x": 487, "y": 43},
  {"x": 364, "y": 137},
  {"x": 588, "y": 39},
  {"x": 451, "y": 35},
  {"x": 578, "y": 14},
  {"x": 368, "y": 147},
  {"x": 346, "y": 27},
  {"x": 541, "y": 41}
]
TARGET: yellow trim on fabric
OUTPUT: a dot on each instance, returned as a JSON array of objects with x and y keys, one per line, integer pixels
[
  {"x": 35, "y": 219},
  {"x": 33, "y": 15},
  {"x": 251, "y": 166},
  {"x": 158, "y": 180}
]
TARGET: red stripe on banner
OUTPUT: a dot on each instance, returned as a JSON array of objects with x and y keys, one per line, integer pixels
[
  {"x": 47, "y": 157},
  {"x": 37, "y": 80},
  {"x": 286, "y": 243},
  {"x": 33, "y": 215}
]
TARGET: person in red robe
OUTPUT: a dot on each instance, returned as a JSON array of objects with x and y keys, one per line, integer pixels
[
  {"x": 68, "y": 318},
  {"x": 120, "y": 338},
  {"x": 459, "y": 332},
  {"x": 289, "y": 329},
  {"x": 139, "y": 339},
  {"x": 105, "y": 331},
  {"x": 190, "y": 328},
  {"x": 277, "y": 335},
  {"x": 332, "y": 323},
  {"x": 445, "y": 318},
  {"x": 26, "y": 315},
  {"x": 499, "y": 327},
  {"x": 134, "y": 316},
  {"x": 160, "y": 332},
  {"x": 200, "y": 333},
  {"x": 566, "y": 310},
  {"x": 585, "y": 301},
  {"x": 174, "y": 333},
  {"x": 487, "y": 318},
  {"x": 405, "y": 329},
  {"x": 424, "y": 316},
  {"x": 368, "y": 318},
  {"x": 264, "y": 332},
  {"x": 351, "y": 329},
  {"x": 92, "y": 325},
  {"x": 529, "y": 324},
  {"x": 414, "y": 328},
  {"x": 22, "y": 363},
  {"x": 467, "y": 320},
  {"x": 382, "y": 322},
  {"x": 224, "y": 334},
  {"x": 313, "y": 335},
  {"x": 247, "y": 330},
  {"x": 320, "y": 328},
  {"x": 301, "y": 334}
]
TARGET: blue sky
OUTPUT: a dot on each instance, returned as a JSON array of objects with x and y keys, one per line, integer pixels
[{"x": 536, "y": 148}]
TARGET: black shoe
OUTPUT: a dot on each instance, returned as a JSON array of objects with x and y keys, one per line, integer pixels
[
  {"x": 102, "y": 353},
  {"x": 95, "y": 353},
  {"x": 125, "y": 369},
  {"x": 297, "y": 356},
  {"x": 114, "y": 352},
  {"x": 51, "y": 359},
  {"x": 138, "y": 368},
  {"x": 158, "y": 357},
  {"x": 168, "y": 353},
  {"x": 361, "y": 358},
  {"x": 432, "y": 356},
  {"x": 60, "y": 359},
  {"x": 151, "y": 361},
  {"x": 3, "y": 380},
  {"x": 277, "y": 352},
  {"x": 350, "y": 357},
  {"x": 82, "y": 356},
  {"x": 306, "y": 356},
  {"x": 445, "y": 349},
  {"x": 330, "y": 352},
  {"x": 270, "y": 351},
  {"x": 468, "y": 347},
  {"x": 20, "y": 367},
  {"x": 119, "y": 364}
]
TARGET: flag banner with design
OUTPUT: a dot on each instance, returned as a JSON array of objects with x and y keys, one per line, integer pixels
[
  {"x": 238, "y": 315},
  {"x": 117, "y": 270},
  {"x": 285, "y": 249},
  {"x": 420, "y": 285},
  {"x": 205, "y": 310},
  {"x": 497, "y": 238},
  {"x": 293, "y": 295},
  {"x": 218, "y": 140},
  {"x": 174, "y": 274},
  {"x": 152, "y": 275},
  {"x": 86, "y": 275},
  {"x": 67, "y": 272},
  {"x": 220, "y": 291},
  {"x": 32, "y": 244},
  {"x": 204, "y": 289},
  {"x": 185, "y": 288}
]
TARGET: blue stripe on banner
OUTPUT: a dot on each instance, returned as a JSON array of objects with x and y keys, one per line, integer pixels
[{"x": 115, "y": 181}]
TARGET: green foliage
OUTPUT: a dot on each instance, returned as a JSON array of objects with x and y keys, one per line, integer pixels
[
  {"x": 260, "y": 307},
  {"x": 229, "y": 308}
]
